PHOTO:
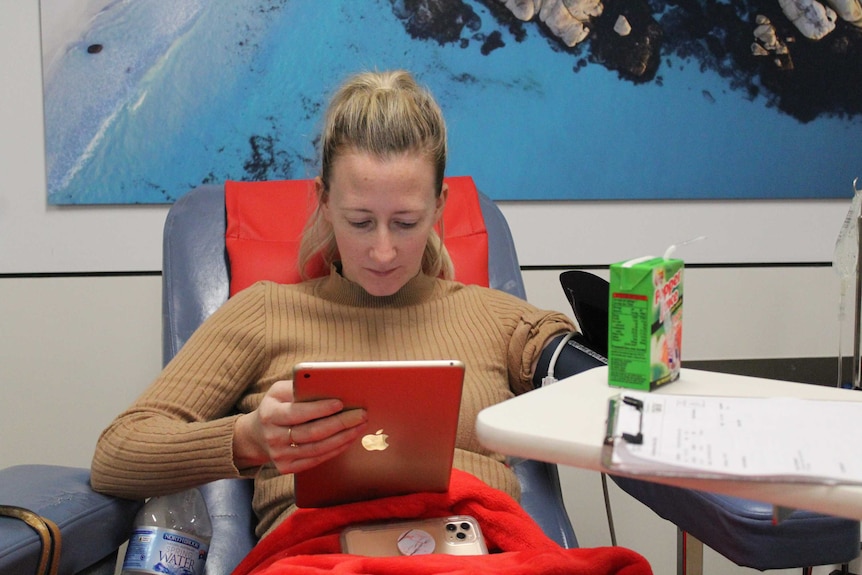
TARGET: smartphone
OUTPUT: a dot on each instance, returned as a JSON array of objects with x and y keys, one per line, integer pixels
[{"x": 454, "y": 535}]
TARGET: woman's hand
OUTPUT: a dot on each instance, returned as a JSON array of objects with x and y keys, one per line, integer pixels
[{"x": 295, "y": 436}]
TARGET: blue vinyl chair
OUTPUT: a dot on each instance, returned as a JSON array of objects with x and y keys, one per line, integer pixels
[
  {"x": 195, "y": 284},
  {"x": 93, "y": 526},
  {"x": 739, "y": 529}
]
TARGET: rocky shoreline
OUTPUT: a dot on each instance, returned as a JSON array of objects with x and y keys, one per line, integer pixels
[{"x": 803, "y": 57}]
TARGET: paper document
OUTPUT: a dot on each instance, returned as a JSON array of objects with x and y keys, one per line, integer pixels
[{"x": 748, "y": 438}]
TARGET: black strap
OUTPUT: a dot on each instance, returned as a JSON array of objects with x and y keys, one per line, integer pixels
[{"x": 49, "y": 536}]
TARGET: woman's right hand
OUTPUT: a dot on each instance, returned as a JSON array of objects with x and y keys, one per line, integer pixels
[{"x": 294, "y": 436}]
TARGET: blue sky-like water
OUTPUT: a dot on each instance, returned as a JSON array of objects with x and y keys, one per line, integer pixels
[{"x": 190, "y": 91}]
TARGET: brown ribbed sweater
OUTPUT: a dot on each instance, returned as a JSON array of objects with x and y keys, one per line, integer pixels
[{"x": 179, "y": 433}]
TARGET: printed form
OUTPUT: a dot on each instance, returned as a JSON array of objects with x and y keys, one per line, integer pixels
[{"x": 750, "y": 438}]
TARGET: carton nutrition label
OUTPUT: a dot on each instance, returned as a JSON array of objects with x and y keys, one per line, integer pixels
[
  {"x": 630, "y": 330},
  {"x": 629, "y": 337}
]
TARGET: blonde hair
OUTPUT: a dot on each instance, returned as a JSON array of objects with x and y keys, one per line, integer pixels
[{"x": 383, "y": 114}]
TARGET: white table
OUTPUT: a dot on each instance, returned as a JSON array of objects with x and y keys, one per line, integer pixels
[{"x": 565, "y": 423}]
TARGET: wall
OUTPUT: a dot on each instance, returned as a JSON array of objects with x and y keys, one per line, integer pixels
[{"x": 80, "y": 292}]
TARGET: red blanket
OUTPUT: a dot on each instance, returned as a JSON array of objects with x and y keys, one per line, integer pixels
[{"x": 307, "y": 542}]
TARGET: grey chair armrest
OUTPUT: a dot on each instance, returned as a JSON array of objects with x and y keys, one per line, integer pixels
[
  {"x": 93, "y": 526},
  {"x": 542, "y": 498}
]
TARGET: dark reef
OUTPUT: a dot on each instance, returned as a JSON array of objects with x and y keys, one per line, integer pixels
[
  {"x": 635, "y": 57},
  {"x": 267, "y": 160},
  {"x": 439, "y": 20}
]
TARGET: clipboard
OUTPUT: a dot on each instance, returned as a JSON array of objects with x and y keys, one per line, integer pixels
[{"x": 745, "y": 438}]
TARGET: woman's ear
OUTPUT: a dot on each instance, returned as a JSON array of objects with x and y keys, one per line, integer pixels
[
  {"x": 441, "y": 202},
  {"x": 322, "y": 197}
]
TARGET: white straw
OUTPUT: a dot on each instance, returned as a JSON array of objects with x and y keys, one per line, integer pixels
[{"x": 673, "y": 247}]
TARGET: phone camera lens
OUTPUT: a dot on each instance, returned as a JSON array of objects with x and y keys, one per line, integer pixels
[
  {"x": 461, "y": 535},
  {"x": 451, "y": 527}
]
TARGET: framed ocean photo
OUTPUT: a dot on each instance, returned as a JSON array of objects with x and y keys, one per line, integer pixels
[{"x": 545, "y": 100}]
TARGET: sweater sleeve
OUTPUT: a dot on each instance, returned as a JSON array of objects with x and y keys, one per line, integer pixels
[
  {"x": 527, "y": 329},
  {"x": 179, "y": 433},
  {"x": 534, "y": 330}
]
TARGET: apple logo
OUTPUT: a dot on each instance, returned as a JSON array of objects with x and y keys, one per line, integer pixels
[{"x": 375, "y": 441}]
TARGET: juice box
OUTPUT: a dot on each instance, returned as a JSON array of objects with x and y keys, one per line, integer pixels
[{"x": 645, "y": 323}]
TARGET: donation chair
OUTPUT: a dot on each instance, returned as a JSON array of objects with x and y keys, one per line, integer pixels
[
  {"x": 739, "y": 529},
  {"x": 197, "y": 281},
  {"x": 198, "y": 277}
]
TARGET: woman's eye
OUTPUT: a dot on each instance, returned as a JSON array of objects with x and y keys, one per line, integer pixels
[
  {"x": 361, "y": 224},
  {"x": 406, "y": 225}
]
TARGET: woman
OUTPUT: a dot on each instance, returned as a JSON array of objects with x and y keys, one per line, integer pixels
[{"x": 224, "y": 407}]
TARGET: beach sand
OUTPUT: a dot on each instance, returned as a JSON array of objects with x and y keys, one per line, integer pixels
[{"x": 63, "y": 23}]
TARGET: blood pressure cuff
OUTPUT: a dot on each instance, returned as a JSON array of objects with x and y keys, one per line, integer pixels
[{"x": 574, "y": 358}]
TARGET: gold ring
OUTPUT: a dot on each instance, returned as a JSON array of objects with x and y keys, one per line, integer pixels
[{"x": 290, "y": 437}]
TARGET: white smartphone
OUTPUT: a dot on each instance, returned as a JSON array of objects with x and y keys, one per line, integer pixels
[{"x": 454, "y": 535}]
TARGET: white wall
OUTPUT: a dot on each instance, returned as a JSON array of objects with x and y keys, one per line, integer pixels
[
  {"x": 75, "y": 350},
  {"x": 73, "y": 353}
]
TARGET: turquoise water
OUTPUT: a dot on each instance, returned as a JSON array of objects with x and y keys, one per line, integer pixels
[{"x": 192, "y": 91}]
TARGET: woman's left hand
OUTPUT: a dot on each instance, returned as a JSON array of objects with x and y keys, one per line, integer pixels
[{"x": 294, "y": 436}]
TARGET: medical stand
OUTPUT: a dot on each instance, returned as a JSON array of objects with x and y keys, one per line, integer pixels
[{"x": 857, "y": 322}]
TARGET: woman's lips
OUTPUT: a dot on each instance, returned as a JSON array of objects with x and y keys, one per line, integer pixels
[{"x": 382, "y": 273}]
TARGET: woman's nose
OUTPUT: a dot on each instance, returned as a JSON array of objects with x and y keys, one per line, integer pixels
[{"x": 383, "y": 248}]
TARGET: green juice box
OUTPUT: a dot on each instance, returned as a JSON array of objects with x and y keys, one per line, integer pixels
[{"x": 645, "y": 323}]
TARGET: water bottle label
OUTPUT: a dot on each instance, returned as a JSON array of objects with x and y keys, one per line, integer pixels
[{"x": 164, "y": 551}]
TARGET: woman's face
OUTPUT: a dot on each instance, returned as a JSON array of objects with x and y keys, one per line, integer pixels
[{"x": 382, "y": 211}]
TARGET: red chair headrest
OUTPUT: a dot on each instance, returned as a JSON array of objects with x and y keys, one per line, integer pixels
[{"x": 265, "y": 222}]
